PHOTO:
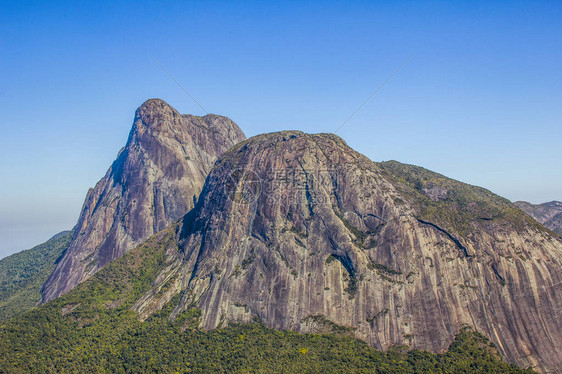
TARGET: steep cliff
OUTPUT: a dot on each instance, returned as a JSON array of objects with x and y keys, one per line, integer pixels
[
  {"x": 549, "y": 214},
  {"x": 153, "y": 182},
  {"x": 306, "y": 234}
]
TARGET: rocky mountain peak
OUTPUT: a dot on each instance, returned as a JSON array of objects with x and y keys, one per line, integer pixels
[
  {"x": 154, "y": 114},
  {"x": 154, "y": 181},
  {"x": 156, "y": 105}
]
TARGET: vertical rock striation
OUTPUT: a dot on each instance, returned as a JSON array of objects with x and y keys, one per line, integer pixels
[
  {"x": 306, "y": 234},
  {"x": 154, "y": 181}
]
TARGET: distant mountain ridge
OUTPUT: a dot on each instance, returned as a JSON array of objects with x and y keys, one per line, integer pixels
[
  {"x": 549, "y": 214},
  {"x": 154, "y": 181}
]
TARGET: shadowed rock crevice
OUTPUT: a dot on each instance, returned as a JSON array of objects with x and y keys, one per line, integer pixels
[{"x": 453, "y": 239}]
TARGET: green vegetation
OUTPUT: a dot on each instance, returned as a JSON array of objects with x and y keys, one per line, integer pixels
[
  {"x": 352, "y": 285},
  {"x": 382, "y": 313},
  {"x": 92, "y": 329},
  {"x": 330, "y": 259},
  {"x": 325, "y": 326},
  {"x": 360, "y": 236},
  {"x": 385, "y": 272},
  {"x": 383, "y": 268},
  {"x": 455, "y": 206},
  {"x": 22, "y": 275}
]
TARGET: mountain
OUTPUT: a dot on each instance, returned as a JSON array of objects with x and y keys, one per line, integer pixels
[
  {"x": 298, "y": 233},
  {"x": 549, "y": 214},
  {"x": 92, "y": 329},
  {"x": 303, "y": 233},
  {"x": 154, "y": 181},
  {"x": 22, "y": 274}
]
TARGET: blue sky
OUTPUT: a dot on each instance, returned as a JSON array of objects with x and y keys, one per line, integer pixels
[{"x": 480, "y": 100}]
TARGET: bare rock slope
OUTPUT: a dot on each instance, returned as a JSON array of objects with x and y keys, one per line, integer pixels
[
  {"x": 549, "y": 214},
  {"x": 306, "y": 234},
  {"x": 154, "y": 181}
]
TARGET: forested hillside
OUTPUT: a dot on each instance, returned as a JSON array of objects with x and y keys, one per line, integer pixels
[
  {"x": 92, "y": 329},
  {"x": 22, "y": 274}
]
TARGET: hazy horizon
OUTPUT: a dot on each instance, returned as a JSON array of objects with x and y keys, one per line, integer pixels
[{"x": 479, "y": 101}]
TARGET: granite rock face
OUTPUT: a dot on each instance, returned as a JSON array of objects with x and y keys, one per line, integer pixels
[
  {"x": 306, "y": 234},
  {"x": 549, "y": 214},
  {"x": 154, "y": 181}
]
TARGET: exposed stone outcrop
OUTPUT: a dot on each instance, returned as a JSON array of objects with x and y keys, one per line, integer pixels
[
  {"x": 292, "y": 228},
  {"x": 154, "y": 181}
]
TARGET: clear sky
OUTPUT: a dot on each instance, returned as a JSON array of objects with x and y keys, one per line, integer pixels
[{"x": 480, "y": 100}]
